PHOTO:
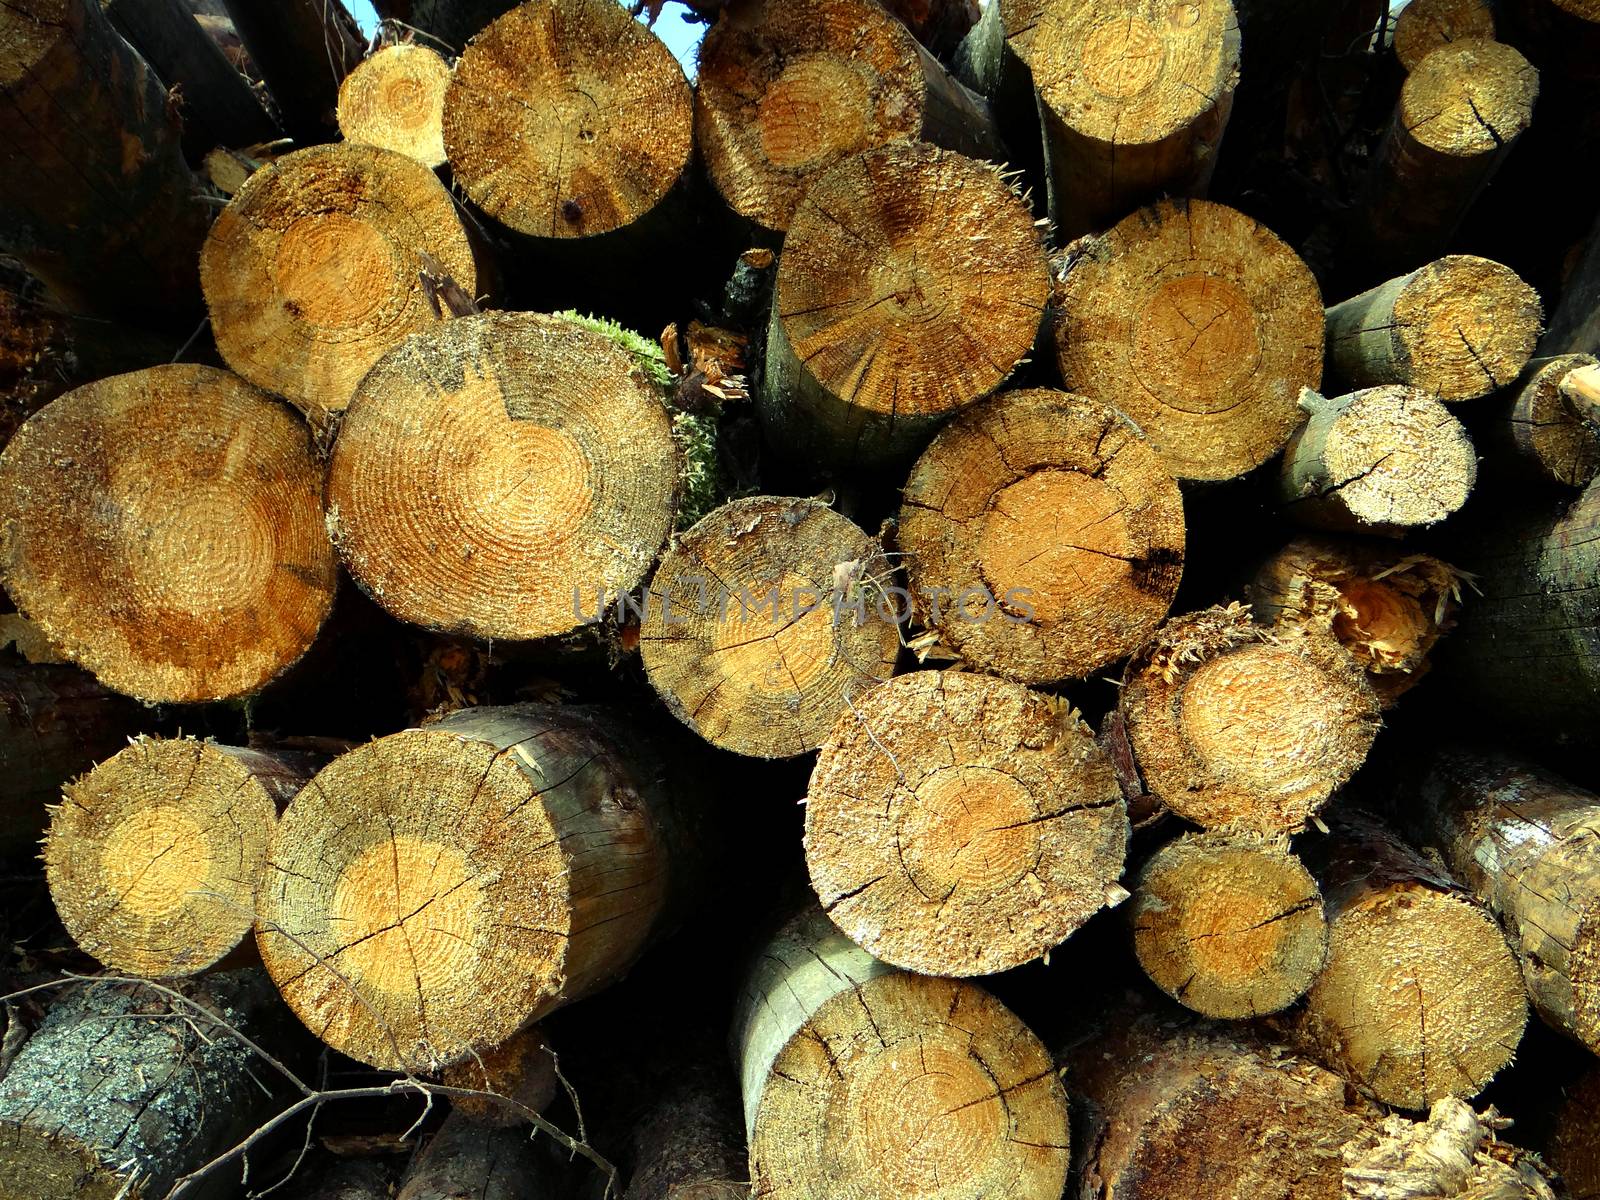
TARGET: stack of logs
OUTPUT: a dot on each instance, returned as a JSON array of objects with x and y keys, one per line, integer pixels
[{"x": 1189, "y": 682}]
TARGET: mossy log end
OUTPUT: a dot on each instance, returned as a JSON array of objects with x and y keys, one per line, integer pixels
[
  {"x": 165, "y": 529},
  {"x": 395, "y": 99},
  {"x": 867, "y": 1082},
  {"x": 1235, "y": 729},
  {"x": 1058, "y": 509},
  {"x": 961, "y": 825}
]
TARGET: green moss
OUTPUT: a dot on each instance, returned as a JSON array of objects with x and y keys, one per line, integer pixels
[
  {"x": 647, "y": 353},
  {"x": 704, "y": 483}
]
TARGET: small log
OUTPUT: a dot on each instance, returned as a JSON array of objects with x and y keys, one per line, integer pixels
[
  {"x": 165, "y": 530},
  {"x": 1573, "y": 1144},
  {"x": 860, "y": 1080},
  {"x": 599, "y": 113},
  {"x": 1177, "y": 1110},
  {"x": 787, "y": 88},
  {"x": 1044, "y": 537},
  {"x": 492, "y": 473},
  {"x": 1453, "y": 1155},
  {"x": 521, "y": 1068},
  {"x": 217, "y": 105},
  {"x": 1542, "y": 429},
  {"x": 1456, "y": 329},
  {"x": 95, "y": 199},
  {"x": 395, "y": 100},
  {"x": 469, "y": 1161},
  {"x": 1460, "y": 112},
  {"x": 689, "y": 1144},
  {"x": 55, "y": 723},
  {"x": 1386, "y": 606},
  {"x": 154, "y": 856},
  {"x": 751, "y": 635},
  {"x": 912, "y": 283},
  {"x": 120, "y": 1093},
  {"x": 1233, "y": 728},
  {"x": 1382, "y": 460},
  {"x": 303, "y": 49},
  {"x": 1424, "y": 26},
  {"x": 1229, "y": 924},
  {"x": 432, "y": 892},
  {"x": 1523, "y": 841},
  {"x": 1421, "y": 997},
  {"x": 313, "y": 270},
  {"x": 961, "y": 825},
  {"x": 1198, "y": 323}
]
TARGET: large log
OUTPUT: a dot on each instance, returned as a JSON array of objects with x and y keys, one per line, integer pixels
[
  {"x": 961, "y": 825},
  {"x": 863, "y": 1081},
  {"x": 395, "y": 99},
  {"x": 165, "y": 530},
  {"x": 1234, "y": 728},
  {"x": 492, "y": 473},
  {"x": 1044, "y": 536},
  {"x": 313, "y": 270},
  {"x": 1201, "y": 325},
  {"x": 154, "y": 856},
  {"x": 303, "y": 50},
  {"x": 1421, "y": 997},
  {"x": 787, "y": 88},
  {"x": 750, "y": 633},
  {"x": 94, "y": 195},
  {"x": 432, "y": 892},
  {"x": 1524, "y": 841}
]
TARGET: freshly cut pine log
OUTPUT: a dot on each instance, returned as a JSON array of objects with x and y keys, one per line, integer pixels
[
  {"x": 689, "y": 1144},
  {"x": 1542, "y": 427},
  {"x": 862, "y": 1082},
  {"x": 94, "y": 196},
  {"x": 787, "y": 88},
  {"x": 912, "y": 283},
  {"x": 1388, "y": 607},
  {"x": 154, "y": 856},
  {"x": 1381, "y": 460},
  {"x": 1523, "y": 840},
  {"x": 1421, "y": 997},
  {"x": 493, "y": 472},
  {"x": 1573, "y": 1146},
  {"x": 1424, "y": 26},
  {"x": 55, "y": 723},
  {"x": 1200, "y": 324},
  {"x": 1453, "y": 1155},
  {"x": 312, "y": 272},
  {"x": 568, "y": 119},
  {"x": 1235, "y": 728},
  {"x": 1456, "y": 329},
  {"x": 120, "y": 1093},
  {"x": 303, "y": 49},
  {"x": 1529, "y": 643},
  {"x": 466, "y": 1160},
  {"x": 1461, "y": 110},
  {"x": 521, "y": 1068},
  {"x": 164, "y": 529},
  {"x": 395, "y": 99},
  {"x": 1044, "y": 537},
  {"x": 431, "y": 892},
  {"x": 217, "y": 105},
  {"x": 1229, "y": 924},
  {"x": 1178, "y": 1110},
  {"x": 766, "y": 621},
  {"x": 962, "y": 825}
]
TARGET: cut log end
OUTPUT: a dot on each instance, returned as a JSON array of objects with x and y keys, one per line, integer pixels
[
  {"x": 960, "y": 825},
  {"x": 153, "y": 857},
  {"x": 495, "y": 473},
  {"x": 908, "y": 1085},
  {"x": 1229, "y": 925},
  {"x": 1201, "y": 325},
  {"x": 313, "y": 270},
  {"x": 788, "y": 89},
  {"x": 1424, "y": 26},
  {"x": 164, "y": 529},
  {"x": 1064, "y": 515},
  {"x": 395, "y": 100},
  {"x": 1469, "y": 99},
  {"x": 1381, "y": 460},
  {"x": 1233, "y": 730},
  {"x": 1549, "y": 426},
  {"x": 567, "y": 119},
  {"x": 751, "y": 636}
]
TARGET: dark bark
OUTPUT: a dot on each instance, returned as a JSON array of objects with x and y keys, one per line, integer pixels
[{"x": 303, "y": 49}]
